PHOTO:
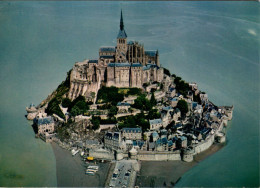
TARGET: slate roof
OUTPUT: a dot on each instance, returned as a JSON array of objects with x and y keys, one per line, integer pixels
[
  {"x": 116, "y": 135},
  {"x": 139, "y": 143},
  {"x": 119, "y": 65},
  {"x": 123, "y": 104},
  {"x": 93, "y": 61},
  {"x": 155, "y": 134},
  {"x": 167, "y": 108},
  {"x": 171, "y": 89},
  {"x": 107, "y": 49},
  {"x": 136, "y": 65},
  {"x": 148, "y": 66},
  {"x": 151, "y": 53},
  {"x": 45, "y": 120},
  {"x": 121, "y": 34},
  {"x": 174, "y": 99},
  {"x": 155, "y": 121},
  {"x": 132, "y": 130},
  {"x": 130, "y": 42}
]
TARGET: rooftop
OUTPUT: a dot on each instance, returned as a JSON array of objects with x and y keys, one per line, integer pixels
[
  {"x": 119, "y": 65},
  {"x": 132, "y": 130},
  {"x": 123, "y": 104},
  {"x": 45, "y": 120},
  {"x": 107, "y": 49},
  {"x": 155, "y": 121},
  {"x": 107, "y": 56},
  {"x": 93, "y": 61},
  {"x": 167, "y": 108},
  {"x": 151, "y": 53}
]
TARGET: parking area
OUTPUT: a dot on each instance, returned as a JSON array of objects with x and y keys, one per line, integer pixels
[{"x": 124, "y": 174}]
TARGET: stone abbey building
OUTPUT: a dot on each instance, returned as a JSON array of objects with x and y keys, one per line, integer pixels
[{"x": 125, "y": 65}]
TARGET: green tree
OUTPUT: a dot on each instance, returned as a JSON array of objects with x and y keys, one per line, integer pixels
[
  {"x": 112, "y": 111},
  {"x": 53, "y": 108},
  {"x": 177, "y": 80},
  {"x": 96, "y": 122},
  {"x": 66, "y": 102},
  {"x": 75, "y": 111},
  {"x": 183, "y": 107},
  {"x": 142, "y": 103},
  {"x": 153, "y": 100},
  {"x": 109, "y": 94},
  {"x": 78, "y": 106},
  {"x": 153, "y": 114},
  {"x": 166, "y": 71}
]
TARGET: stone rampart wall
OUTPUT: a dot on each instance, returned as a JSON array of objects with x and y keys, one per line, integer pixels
[
  {"x": 102, "y": 155},
  {"x": 158, "y": 156}
]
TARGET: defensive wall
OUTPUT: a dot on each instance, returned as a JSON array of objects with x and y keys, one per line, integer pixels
[{"x": 158, "y": 156}]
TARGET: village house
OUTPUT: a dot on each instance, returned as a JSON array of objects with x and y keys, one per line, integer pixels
[
  {"x": 45, "y": 127},
  {"x": 112, "y": 140},
  {"x": 123, "y": 107},
  {"x": 159, "y": 95},
  {"x": 45, "y": 124},
  {"x": 171, "y": 93},
  {"x": 176, "y": 114},
  {"x": 166, "y": 115},
  {"x": 132, "y": 133},
  {"x": 173, "y": 102},
  {"x": 155, "y": 124}
]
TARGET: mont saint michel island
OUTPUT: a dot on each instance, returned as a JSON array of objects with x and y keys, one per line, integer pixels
[{"x": 123, "y": 111}]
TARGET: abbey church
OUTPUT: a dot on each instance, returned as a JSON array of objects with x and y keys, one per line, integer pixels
[{"x": 125, "y": 65}]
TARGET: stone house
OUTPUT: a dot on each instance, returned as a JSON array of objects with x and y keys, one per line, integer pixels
[
  {"x": 176, "y": 114},
  {"x": 123, "y": 107},
  {"x": 112, "y": 140},
  {"x": 155, "y": 124},
  {"x": 132, "y": 133},
  {"x": 173, "y": 102},
  {"x": 45, "y": 125},
  {"x": 166, "y": 115},
  {"x": 171, "y": 93},
  {"x": 45, "y": 128}
]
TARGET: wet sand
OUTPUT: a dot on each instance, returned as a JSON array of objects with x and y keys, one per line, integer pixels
[
  {"x": 167, "y": 173},
  {"x": 71, "y": 170}
]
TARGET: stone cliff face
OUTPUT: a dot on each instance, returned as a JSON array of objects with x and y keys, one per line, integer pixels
[{"x": 86, "y": 77}]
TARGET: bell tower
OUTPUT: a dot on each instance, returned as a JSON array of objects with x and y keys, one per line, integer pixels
[{"x": 121, "y": 48}]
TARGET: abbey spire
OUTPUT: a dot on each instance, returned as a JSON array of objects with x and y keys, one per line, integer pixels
[
  {"x": 121, "y": 22},
  {"x": 122, "y": 33},
  {"x": 121, "y": 48}
]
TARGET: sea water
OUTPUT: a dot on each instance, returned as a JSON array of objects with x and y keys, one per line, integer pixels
[{"x": 215, "y": 44}]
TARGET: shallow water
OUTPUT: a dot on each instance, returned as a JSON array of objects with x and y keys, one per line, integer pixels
[{"x": 212, "y": 43}]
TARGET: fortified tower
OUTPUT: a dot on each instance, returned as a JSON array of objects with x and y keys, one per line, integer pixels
[{"x": 121, "y": 48}]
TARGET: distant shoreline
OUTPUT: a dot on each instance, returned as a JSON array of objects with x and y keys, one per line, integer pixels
[{"x": 70, "y": 171}]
